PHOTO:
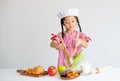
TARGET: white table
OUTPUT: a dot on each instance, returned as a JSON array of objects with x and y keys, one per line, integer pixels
[{"x": 12, "y": 75}]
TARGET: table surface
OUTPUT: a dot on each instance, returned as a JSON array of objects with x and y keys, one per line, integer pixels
[{"x": 12, "y": 75}]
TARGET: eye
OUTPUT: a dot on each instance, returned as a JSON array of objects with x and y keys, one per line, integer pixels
[
  {"x": 73, "y": 21},
  {"x": 67, "y": 22}
]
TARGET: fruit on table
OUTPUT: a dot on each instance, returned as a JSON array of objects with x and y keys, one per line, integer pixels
[
  {"x": 61, "y": 68},
  {"x": 65, "y": 72},
  {"x": 52, "y": 70},
  {"x": 29, "y": 71},
  {"x": 72, "y": 74},
  {"x": 36, "y": 70}
]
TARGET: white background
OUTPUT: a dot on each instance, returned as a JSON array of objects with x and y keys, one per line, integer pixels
[{"x": 26, "y": 27}]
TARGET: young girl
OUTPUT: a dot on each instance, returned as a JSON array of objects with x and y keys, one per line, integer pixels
[{"x": 73, "y": 40}]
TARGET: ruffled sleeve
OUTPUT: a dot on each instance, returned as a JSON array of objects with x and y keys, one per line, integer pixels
[
  {"x": 55, "y": 37},
  {"x": 84, "y": 37}
]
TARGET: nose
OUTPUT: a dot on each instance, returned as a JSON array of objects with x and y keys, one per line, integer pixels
[{"x": 70, "y": 23}]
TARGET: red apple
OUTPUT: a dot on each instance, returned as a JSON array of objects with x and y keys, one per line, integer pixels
[{"x": 52, "y": 70}]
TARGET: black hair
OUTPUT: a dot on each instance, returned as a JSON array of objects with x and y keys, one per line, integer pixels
[{"x": 62, "y": 23}]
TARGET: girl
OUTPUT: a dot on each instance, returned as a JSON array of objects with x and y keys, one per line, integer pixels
[{"x": 73, "y": 40}]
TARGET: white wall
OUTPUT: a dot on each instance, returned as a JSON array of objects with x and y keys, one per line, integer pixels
[{"x": 26, "y": 27}]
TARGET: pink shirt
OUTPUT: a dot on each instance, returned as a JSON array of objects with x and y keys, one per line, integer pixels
[{"x": 69, "y": 42}]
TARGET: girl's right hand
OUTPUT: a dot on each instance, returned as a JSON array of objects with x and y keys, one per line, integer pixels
[{"x": 61, "y": 46}]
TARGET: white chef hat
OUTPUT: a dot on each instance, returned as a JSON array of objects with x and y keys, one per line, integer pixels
[{"x": 68, "y": 12}]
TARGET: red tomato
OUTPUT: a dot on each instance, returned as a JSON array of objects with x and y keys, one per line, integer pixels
[{"x": 52, "y": 70}]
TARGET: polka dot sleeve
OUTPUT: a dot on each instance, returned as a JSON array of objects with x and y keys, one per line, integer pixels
[{"x": 84, "y": 37}]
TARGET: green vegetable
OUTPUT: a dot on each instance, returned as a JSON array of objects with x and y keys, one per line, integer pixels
[{"x": 77, "y": 60}]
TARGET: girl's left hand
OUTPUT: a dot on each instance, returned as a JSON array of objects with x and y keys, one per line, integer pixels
[{"x": 77, "y": 43}]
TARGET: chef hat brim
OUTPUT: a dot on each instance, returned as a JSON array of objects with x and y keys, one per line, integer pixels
[{"x": 68, "y": 12}]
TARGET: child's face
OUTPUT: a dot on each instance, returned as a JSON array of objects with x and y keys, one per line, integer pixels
[{"x": 70, "y": 23}]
